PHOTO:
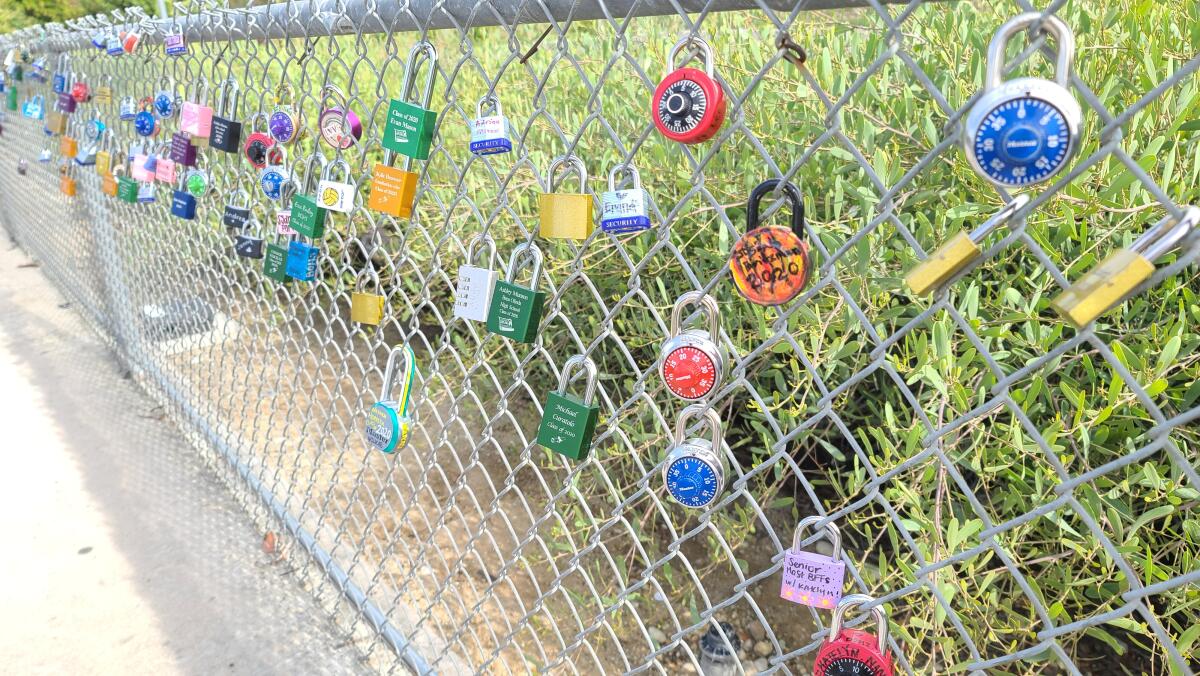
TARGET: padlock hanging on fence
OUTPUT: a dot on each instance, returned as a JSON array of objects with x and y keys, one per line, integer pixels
[
  {"x": 225, "y": 133},
  {"x": 958, "y": 252},
  {"x": 1024, "y": 131},
  {"x": 183, "y": 203},
  {"x": 285, "y": 122},
  {"x": 340, "y": 126},
  {"x": 811, "y": 578},
  {"x": 490, "y": 134},
  {"x": 695, "y": 468},
  {"x": 393, "y": 191},
  {"x": 770, "y": 263},
  {"x": 516, "y": 311},
  {"x": 275, "y": 259},
  {"x": 389, "y": 425},
  {"x": 195, "y": 116},
  {"x": 569, "y": 422},
  {"x": 689, "y": 105},
  {"x": 624, "y": 211},
  {"x": 258, "y": 143},
  {"x": 692, "y": 362},
  {"x": 365, "y": 307},
  {"x": 855, "y": 651},
  {"x": 565, "y": 215},
  {"x": 307, "y": 217},
  {"x": 1105, "y": 285},
  {"x": 473, "y": 293},
  {"x": 166, "y": 99}
]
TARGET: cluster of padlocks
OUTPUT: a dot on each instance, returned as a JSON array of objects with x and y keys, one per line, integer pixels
[{"x": 1018, "y": 133}]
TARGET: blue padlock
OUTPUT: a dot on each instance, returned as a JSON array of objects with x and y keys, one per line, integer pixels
[
  {"x": 164, "y": 101},
  {"x": 302, "y": 261},
  {"x": 145, "y": 123},
  {"x": 60, "y": 74},
  {"x": 183, "y": 203}
]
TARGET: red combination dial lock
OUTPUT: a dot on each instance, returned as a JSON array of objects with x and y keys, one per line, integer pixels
[
  {"x": 689, "y": 106},
  {"x": 692, "y": 362},
  {"x": 854, "y": 652},
  {"x": 257, "y": 145},
  {"x": 81, "y": 92}
]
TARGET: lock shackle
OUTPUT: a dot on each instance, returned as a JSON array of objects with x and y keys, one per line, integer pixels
[
  {"x": 240, "y": 192},
  {"x": 426, "y": 48},
  {"x": 169, "y": 81},
  {"x": 624, "y": 168},
  {"x": 409, "y": 375},
  {"x": 697, "y": 42},
  {"x": 197, "y": 86},
  {"x": 309, "y": 174},
  {"x": 854, "y": 601},
  {"x": 999, "y": 218},
  {"x": 226, "y": 109},
  {"x": 696, "y": 411},
  {"x": 1165, "y": 234},
  {"x": 488, "y": 242},
  {"x": 327, "y": 171},
  {"x": 495, "y": 105},
  {"x": 534, "y": 253},
  {"x": 362, "y": 275},
  {"x": 792, "y": 193},
  {"x": 119, "y": 170},
  {"x": 707, "y": 304},
  {"x": 284, "y": 89},
  {"x": 573, "y": 162},
  {"x": 1050, "y": 24},
  {"x": 339, "y": 96},
  {"x": 831, "y": 533},
  {"x": 589, "y": 367},
  {"x": 260, "y": 115}
]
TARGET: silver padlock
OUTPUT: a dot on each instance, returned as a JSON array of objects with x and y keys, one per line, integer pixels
[
  {"x": 695, "y": 469},
  {"x": 692, "y": 362},
  {"x": 473, "y": 296},
  {"x": 624, "y": 210},
  {"x": 490, "y": 134},
  {"x": 1024, "y": 131},
  {"x": 388, "y": 424}
]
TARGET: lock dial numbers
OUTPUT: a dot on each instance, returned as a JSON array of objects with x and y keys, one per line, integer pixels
[
  {"x": 688, "y": 106},
  {"x": 682, "y": 106},
  {"x": 693, "y": 482},
  {"x": 1022, "y": 141},
  {"x": 689, "y": 373},
  {"x": 848, "y": 666}
]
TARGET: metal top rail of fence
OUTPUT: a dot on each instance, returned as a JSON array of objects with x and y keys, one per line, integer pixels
[{"x": 616, "y": 482}]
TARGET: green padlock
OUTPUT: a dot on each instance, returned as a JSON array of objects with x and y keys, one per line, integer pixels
[
  {"x": 568, "y": 423},
  {"x": 409, "y": 129},
  {"x": 308, "y": 219},
  {"x": 12, "y": 97},
  {"x": 516, "y": 311},
  {"x": 275, "y": 262},
  {"x": 127, "y": 188}
]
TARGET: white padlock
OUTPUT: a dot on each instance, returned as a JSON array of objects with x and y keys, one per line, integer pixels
[
  {"x": 490, "y": 134},
  {"x": 624, "y": 210},
  {"x": 336, "y": 195},
  {"x": 473, "y": 296}
]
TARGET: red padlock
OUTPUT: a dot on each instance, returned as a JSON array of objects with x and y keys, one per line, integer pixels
[
  {"x": 81, "y": 92},
  {"x": 688, "y": 105},
  {"x": 257, "y": 145},
  {"x": 854, "y": 651}
]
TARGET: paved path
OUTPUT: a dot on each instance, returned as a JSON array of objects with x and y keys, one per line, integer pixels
[{"x": 121, "y": 553}]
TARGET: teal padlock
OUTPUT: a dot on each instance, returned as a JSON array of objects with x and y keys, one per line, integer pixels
[
  {"x": 568, "y": 422},
  {"x": 388, "y": 423},
  {"x": 516, "y": 311},
  {"x": 409, "y": 128}
]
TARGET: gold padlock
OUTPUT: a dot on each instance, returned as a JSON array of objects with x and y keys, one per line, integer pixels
[
  {"x": 1115, "y": 277},
  {"x": 566, "y": 215},
  {"x": 366, "y": 308},
  {"x": 958, "y": 252},
  {"x": 56, "y": 122},
  {"x": 66, "y": 184}
]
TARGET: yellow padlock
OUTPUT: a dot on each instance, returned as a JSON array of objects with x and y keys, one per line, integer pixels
[
  {"x": 56, "y": 122},
  {"x": 566, "y": 215},
  {"x": 366, "y": 308},
  {"x": 957, "y": 253},
  {"x": 66, "y": 184},
  {"x": 1115, "y": 277},
  {"x": 393, "y": 190}
]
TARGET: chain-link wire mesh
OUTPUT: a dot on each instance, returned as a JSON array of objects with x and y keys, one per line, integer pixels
[{"x": 1018, "y": 495}]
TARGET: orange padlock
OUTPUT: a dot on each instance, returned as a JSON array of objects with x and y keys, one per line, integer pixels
[
  {"x": 66, "y": 184},
  {"x": 393, "y": 190},
  {"x": 108, "y": 184}
]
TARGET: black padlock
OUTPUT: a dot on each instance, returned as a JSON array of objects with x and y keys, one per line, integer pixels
[
  {"x": 237, "y": 212},
  {"x": 226, "y": 134},
  {"x": 249, "y": 244}
]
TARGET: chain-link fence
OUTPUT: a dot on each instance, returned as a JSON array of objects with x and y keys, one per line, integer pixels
[{"x": 1017, "y": 494}]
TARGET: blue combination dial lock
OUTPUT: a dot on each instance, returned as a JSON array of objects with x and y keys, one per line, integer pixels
[
  {"x": 695, "y": 469},
  {"x": 1024, "y": 131}
]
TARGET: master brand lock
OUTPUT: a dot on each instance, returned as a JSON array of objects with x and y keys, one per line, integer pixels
[
  {"x": 174, "y": 44},
  {"x": 695, "y": 469},
  {"x": 565, "y": 215},
  {"x": 490, "y": 134},
  {"x": 1117, "y": 276},
  {"x": 336, "y": 195},
  {"x": 692, "y": 362},
  {"x": 226, "y": 132},
  {"x": 248, "y": 243},
  {"x": 339, "y": 126},
  {"x": 1024, "y": 131},
  {"x": 284, "y": 123},
  {"x": 195, "y": 181},
  {"x": 183, "y": 203},
  {"x": 138, "y": 167},
  {"x": 854, "y": 651},
  {"x": 146, "y": 193},
  {"x": 366, "y": 308},
  {"x": 688, "y": 105},
  {"x": 68, "y": 147},
  {"x": 258, "y": 145},
  {"x": 307, "y": 216},
  {"x": 958, "y": 252},
  {"x": 568, "y": 422},
  {"x": 66, "y": 182},
  {"x": 811, "y": 578},
  {"x": 236, "y": 214},
  {"x": 145, "y": 123},
  {"x": 56, "y": 122},
  {"x": 302, "y": 261},
  {"x": 516, "y": 311},
  {"x": 104, "y": 93},
  {"x": 393, "y": 190},
  {"x": 166, "y": 102},
  {"x": 276, "y": 178},
  {"x": 275, "y": 261},
  {"x": 388, "y": 424},
  {"x": 127, "y": 110},
  {"x": 81, "y": 92},
  {"x": 770, "y": 264},
  {"x": 473, "y": 295},
  {"x": 409, "y": 129},
  {"x": 624, "y": 210}
]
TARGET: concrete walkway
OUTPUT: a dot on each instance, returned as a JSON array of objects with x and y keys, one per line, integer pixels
[{"x": 121, "y": 553}]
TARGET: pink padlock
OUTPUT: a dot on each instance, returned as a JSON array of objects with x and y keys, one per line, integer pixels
[
  {"x": 138, "y": 170},
  {"x": 811, "y": 578},
  {"x": 195, "y": 117}
]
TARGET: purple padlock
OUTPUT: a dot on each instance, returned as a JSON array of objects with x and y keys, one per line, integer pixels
[
  {"x": 810, "y": 578},
  {"x": 66, "y": 103},
  {"x": 182, "y": 150}
]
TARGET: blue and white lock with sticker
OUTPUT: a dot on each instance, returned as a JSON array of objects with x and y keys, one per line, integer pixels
[
  {"x": 1023, "y": 131},
  {"x": 624, "y": 210},
  {"x": 695, "y": 469},
  {"x": 388, "y": 424},
  {"x": 490, "y": 134}
]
